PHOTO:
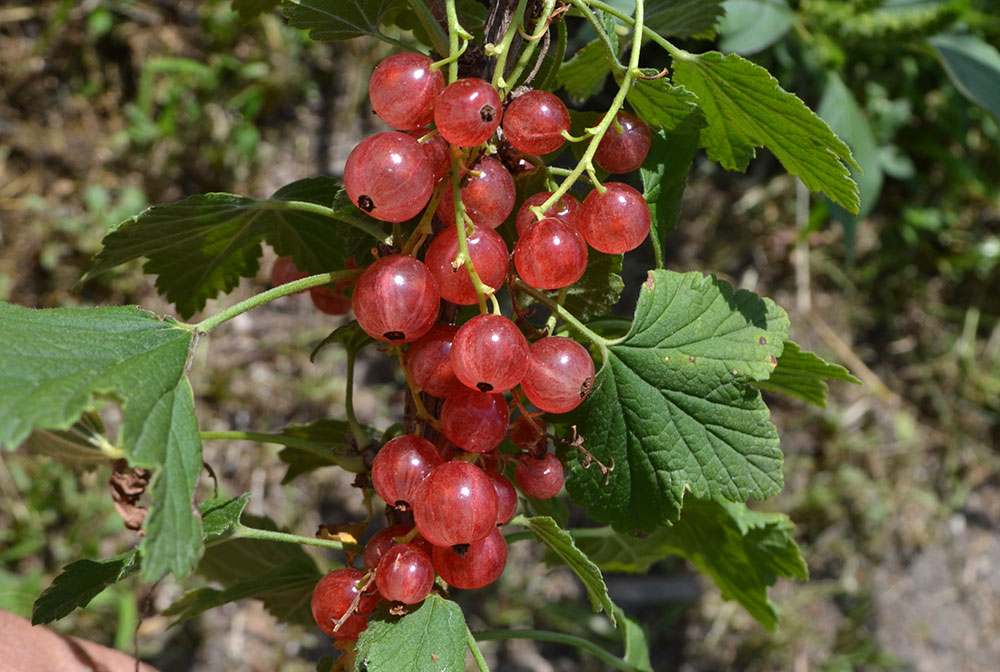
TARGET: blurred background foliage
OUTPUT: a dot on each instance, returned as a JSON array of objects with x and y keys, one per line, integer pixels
[{"x": 107, "y": 106}]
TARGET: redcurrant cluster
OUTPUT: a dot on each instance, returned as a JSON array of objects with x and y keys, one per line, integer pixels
[{"x": 454, "y": 487}]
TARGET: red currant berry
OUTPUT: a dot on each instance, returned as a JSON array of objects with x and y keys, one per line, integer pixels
[
  {"x": 403, "y": 89},
  {"x": 488, "y": 194},
  {"x": 330, "y": 301},
  {"x": 506, "y": 496},
  {"x": 475, "y": 421},
  {"x": 560, "y": 374},
  {"x": 385, "y": 539},
  {"x": 490, "y": 354},
  {"x": 565, "y": 208},
  {"x": 396, "y": 299},
  {"x": 333, "y": 596},
  {"x": 551, "y": 255},
  {"x": 429, "y": 362},
  {"x": 477, "y": 567},
  {"x": 624, "y": 151},
  {"x": 388, "y": 176},
  {"x": 456, "y": 504},
  {"x": 467, "y": 112},
  {"x": 285, "y": 271},
  {"x": 400, "y": 466},
  {"x": 616, "y": 221},
  {"x": 540, "y": 479},
  {"x": 528, "y": 433},
  {"x": 533, "y": 122},
  {"x": 438, "y": 153},
  {"x": 488, "y": 253},
  {"x": 405, "y": 574}
]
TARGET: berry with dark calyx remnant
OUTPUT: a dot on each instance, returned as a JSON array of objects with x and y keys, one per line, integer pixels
[
  {"x": 539, "y": 478},
  {"x": 534, "y": 122},
  {"x": 551, "y": 254},
  {"x": 566, "y": 209},
  {"x": 429, "y": 362},
  {"x": 478, "y": 566},
  {"x": 488, "y": 194},
  {"x": 616, "y": 221},
  {"x": 400, "y": 466},
  {"x": 624, "y": 151},
  {"x": 405, "y": 574},
  {"x": 403, "y": 89},
  {"x": 388, "y": 176},
  {"x": 455, "y": 505},
  {"x": 396, "y": 299},
  {"x": 467, "y": 112},
  {"x": 333, "y": 597},
  {"x": 489, "y": 255},
  {"x": 489, "y": 354},
  {"x": 560, "y": 374},
  {"x": 475, "y": 421}
]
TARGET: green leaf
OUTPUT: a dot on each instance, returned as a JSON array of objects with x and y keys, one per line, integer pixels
[
  {"x": 338, "y": 19},
  {"x": 203, "y": 245},
  {"x": 973, "y": 67},
  {"x": 219, "y": 516},
  {"x": 350, "y": 335},
  {"x": 672, "y": 409},
  {"x": 664, "y": 179},
  {"x": 55, "y": 361},
  {"x": 79, "y": 583},
  {"x": 746, "y": 108},
  {"x": 683, "y": 18},
  {"x": 251, "y": 9},
  {"x": 561, "y": 543},
  {"x": 662, "y": 105},
  {"x": 80, "y": 444},
  {"x": 751, "y": 26},
  {"x": 635, "y": 642},
  {"x": 804, "y": 375},
  {"x": 583, "y": 75},
  {"x": 743, "y": 551},
  {"x": 332, "y": 435},
  {"x": 431, "y": 637}
]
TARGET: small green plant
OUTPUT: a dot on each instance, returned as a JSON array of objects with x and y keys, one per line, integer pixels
[{"x": 486, "y": 259}]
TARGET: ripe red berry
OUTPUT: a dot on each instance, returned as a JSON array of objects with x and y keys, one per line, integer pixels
[
  {"x": 488, "y": 195},
  {"x": 479, "y": 566},
  {"x": 624, "y": 151},
  {"x": 467, "y": 112},
  {"x": 388, "y": 176},
  {"x": 403, "y": 89},
  {"x": 330, "y": 301},
  {"x": 539, "y": 478},
  {"x": 400, "y": 466},
  {"x": 551, "y": 254},
  {"x": 456, "y": 504},
  {"x": 405, "y": 574},
  {"x": 506, "y": 496},
  {"x": 616, "y": 221},
  {"x": 560, "y": 374},
  {"x": 437, "y": 152},
  {"x": 566, "y": 209},
  {"x": 385, "y": 539},
  {"x": 429, "y": 362},
  {"x": 533, "y": 122},
  {"x": 490, "y": 354},
  {"x": 396, "y": 299},
  {"x": 475, "y": 421},
  {"x": 332, "y": 598},
  {"x": 488, "y": 253},
  {"x": 284, "y": 271}
]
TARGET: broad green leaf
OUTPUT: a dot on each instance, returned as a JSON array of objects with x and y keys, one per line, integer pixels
[
  {"x": 751, "y": 26},
  {"x": 79, "y": 583},
  {"x": 338, "y": 19},
  {"x": 219, "y": 516},
  {"x": 743, "y": 551},
  {"x": 683, "y": 18},
  {"x": 583, "y": 75},
  {"x": 662, "y": 105},
  {"x": 561, "y": 543},
  {"x": 203, "y": 245},
  {"x": 672, "y": 408},
  {"x": 804, "y": 375},
  {"x": 664, "y": 179},
  {"x": 430, "y": 637},
  {"x": 745, "y": 108},
  {"x": 635, "y": 642},
  {"x": 973, "y": 67},
  {"x": 251, "y": 9},
  {"x": 171, "y": 446},
  {"x": 333, "y": 437},
  {"x": 839, "y": 109}
]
